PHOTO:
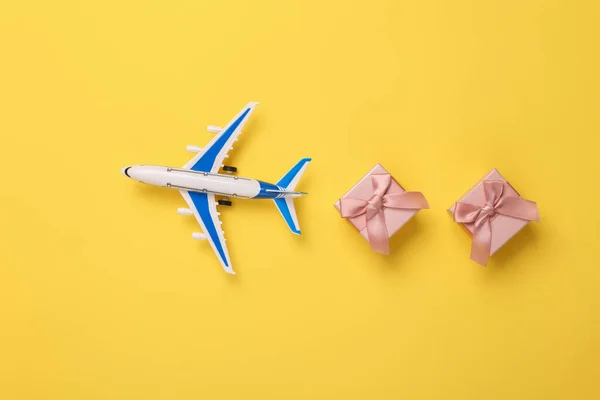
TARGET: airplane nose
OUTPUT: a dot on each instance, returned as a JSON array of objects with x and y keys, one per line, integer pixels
[{"x": 124, "y": 171}]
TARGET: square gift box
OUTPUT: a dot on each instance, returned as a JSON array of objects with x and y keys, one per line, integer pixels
[
  {"x": 387, "y": 205},
  {"x": 492, "y": 212}
]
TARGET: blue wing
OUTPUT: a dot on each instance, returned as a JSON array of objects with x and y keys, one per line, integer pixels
[
  {"x": 210, "y": 159},
  {"x": 204, "y": 207}
]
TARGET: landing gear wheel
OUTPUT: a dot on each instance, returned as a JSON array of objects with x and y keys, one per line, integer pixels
[
  {"x": 229, "y": 169},
  {"x": 224, "y": 203}
]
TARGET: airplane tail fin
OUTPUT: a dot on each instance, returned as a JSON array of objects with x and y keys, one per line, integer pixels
[{"x": 286, "y": 205}]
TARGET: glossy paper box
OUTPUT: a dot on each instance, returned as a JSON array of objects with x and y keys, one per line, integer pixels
[
  {"x": 394, "y": 218},
  {"x": 503, "y": 227}
]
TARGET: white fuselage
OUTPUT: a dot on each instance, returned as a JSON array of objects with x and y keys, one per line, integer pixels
[{"x": 183, "y": 179}]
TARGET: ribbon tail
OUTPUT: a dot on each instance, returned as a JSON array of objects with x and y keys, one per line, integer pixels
[
  {"x": 517, "y": 207},
  {"x": 482, "y": 242},
  {"x": 406, "y": 200},
  {"x": 378, "y": 234}
]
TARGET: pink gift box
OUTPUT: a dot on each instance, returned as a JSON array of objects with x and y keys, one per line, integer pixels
[
  {"x": 503, "y": 227},
  {"x": 394, "y": 218}
]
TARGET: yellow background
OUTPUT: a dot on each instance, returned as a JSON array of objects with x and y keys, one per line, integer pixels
[{"x": 103, "y": 294}]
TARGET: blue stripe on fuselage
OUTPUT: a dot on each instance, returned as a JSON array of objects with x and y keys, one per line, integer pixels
[
  {"x": 263, "y": 194},
  {"x": 206, "y": 162}
]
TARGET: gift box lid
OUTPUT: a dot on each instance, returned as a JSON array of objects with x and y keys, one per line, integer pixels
[
  {"x": 394, "y": 218},
  {"x": 503, "y": 227}
]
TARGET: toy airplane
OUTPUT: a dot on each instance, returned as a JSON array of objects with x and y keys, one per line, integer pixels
[{"x": 199, "y": 181}]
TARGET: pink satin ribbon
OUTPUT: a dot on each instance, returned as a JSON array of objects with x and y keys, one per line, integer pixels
[
  {"x": 497, "y": 201},
  {"x": 372, "y": 210}
]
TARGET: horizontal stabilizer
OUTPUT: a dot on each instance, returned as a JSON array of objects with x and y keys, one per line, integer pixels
[
  {"x": 292, "y": 177},
  {"x": 288, "y": 212}
]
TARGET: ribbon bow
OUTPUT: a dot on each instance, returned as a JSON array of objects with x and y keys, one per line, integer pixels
[
  {"x": 372, "y": 210},
  {"x": 497, "y": 201}
]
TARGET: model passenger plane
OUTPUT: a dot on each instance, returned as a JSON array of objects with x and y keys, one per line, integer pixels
[{"x": 199, "y": 181}]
